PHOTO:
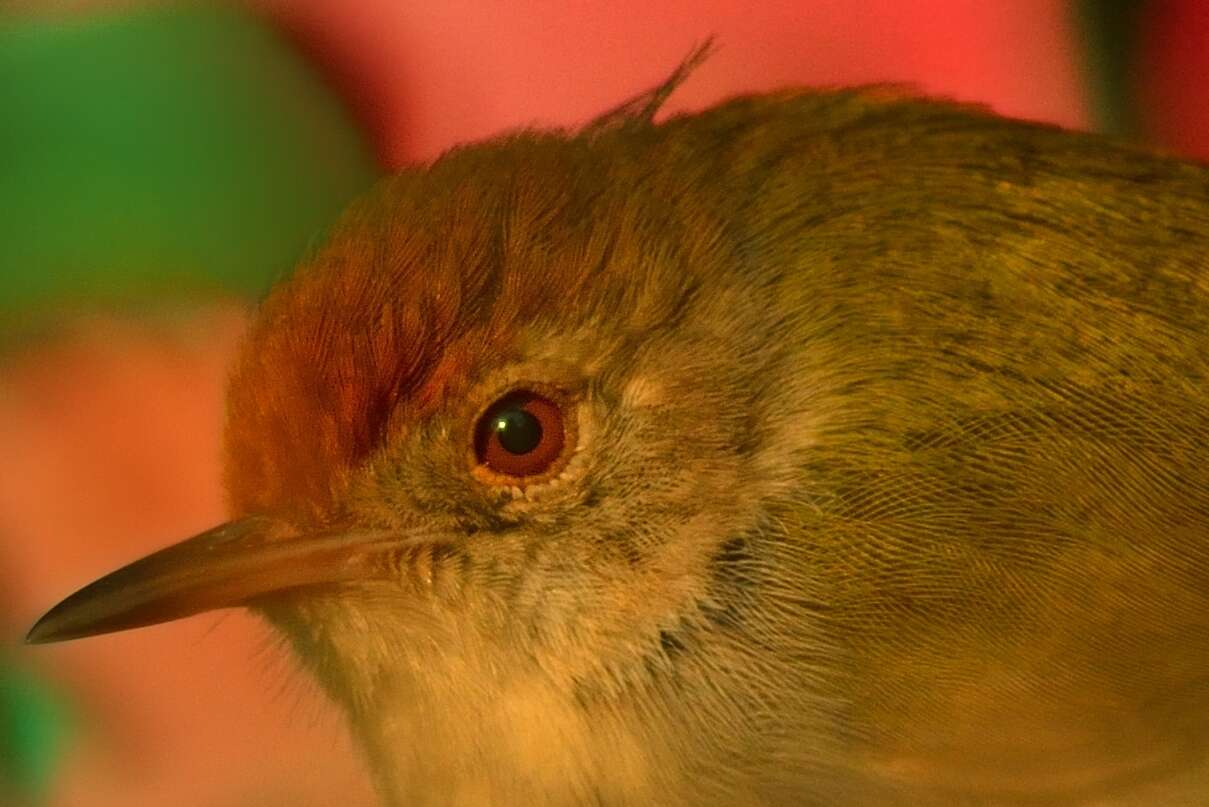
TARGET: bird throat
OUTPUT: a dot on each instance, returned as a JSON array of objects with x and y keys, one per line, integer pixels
[{"x": 446, "y": 718}]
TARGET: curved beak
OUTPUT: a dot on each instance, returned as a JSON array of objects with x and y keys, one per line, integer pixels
[{"x": 232, "y": 564}]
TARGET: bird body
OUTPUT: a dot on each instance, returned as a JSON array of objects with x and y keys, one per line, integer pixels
[{"x": 820, "y": 448}]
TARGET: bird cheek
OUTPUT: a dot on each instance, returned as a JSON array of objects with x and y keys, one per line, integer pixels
[{"x": 642, "y": 392}]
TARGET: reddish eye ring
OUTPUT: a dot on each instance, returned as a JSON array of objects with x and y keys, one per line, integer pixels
[{"x": 522, "y": 437}]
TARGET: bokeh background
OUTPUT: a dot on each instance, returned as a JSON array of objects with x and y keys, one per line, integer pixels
[{"x": 161, "y": 164}]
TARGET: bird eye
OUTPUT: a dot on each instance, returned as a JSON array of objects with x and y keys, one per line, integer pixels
[{"x": 521, "y": 435}]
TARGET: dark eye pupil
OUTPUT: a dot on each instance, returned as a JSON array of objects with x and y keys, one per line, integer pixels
[{"x": 518, "y": 431}]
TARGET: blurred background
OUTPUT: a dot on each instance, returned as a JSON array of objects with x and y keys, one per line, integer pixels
[{"x": 161, "y": 164}]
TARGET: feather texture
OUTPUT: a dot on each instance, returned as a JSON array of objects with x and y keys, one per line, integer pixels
[{"x": 891, "y": 476}]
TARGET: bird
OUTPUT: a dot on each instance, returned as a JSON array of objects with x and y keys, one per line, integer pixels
[{"x": 821, "y": 447}]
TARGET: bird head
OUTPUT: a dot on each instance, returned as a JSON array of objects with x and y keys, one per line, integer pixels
[
  {"x": 507, "y": 374},
  {"x": 499, "y": 458},
  {"x": 818, "y": 448}
]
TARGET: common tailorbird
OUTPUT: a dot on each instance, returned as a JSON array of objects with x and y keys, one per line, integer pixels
[{"x": 820, "y": 448}]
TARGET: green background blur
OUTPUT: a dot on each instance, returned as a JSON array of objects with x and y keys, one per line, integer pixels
[{"x": 161, "y": 153}]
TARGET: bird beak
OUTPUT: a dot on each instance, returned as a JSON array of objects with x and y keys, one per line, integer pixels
[{"x": 230, "y": 565}]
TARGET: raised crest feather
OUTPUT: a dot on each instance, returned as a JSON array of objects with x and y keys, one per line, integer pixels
[{"x": 643, "y": 107}]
